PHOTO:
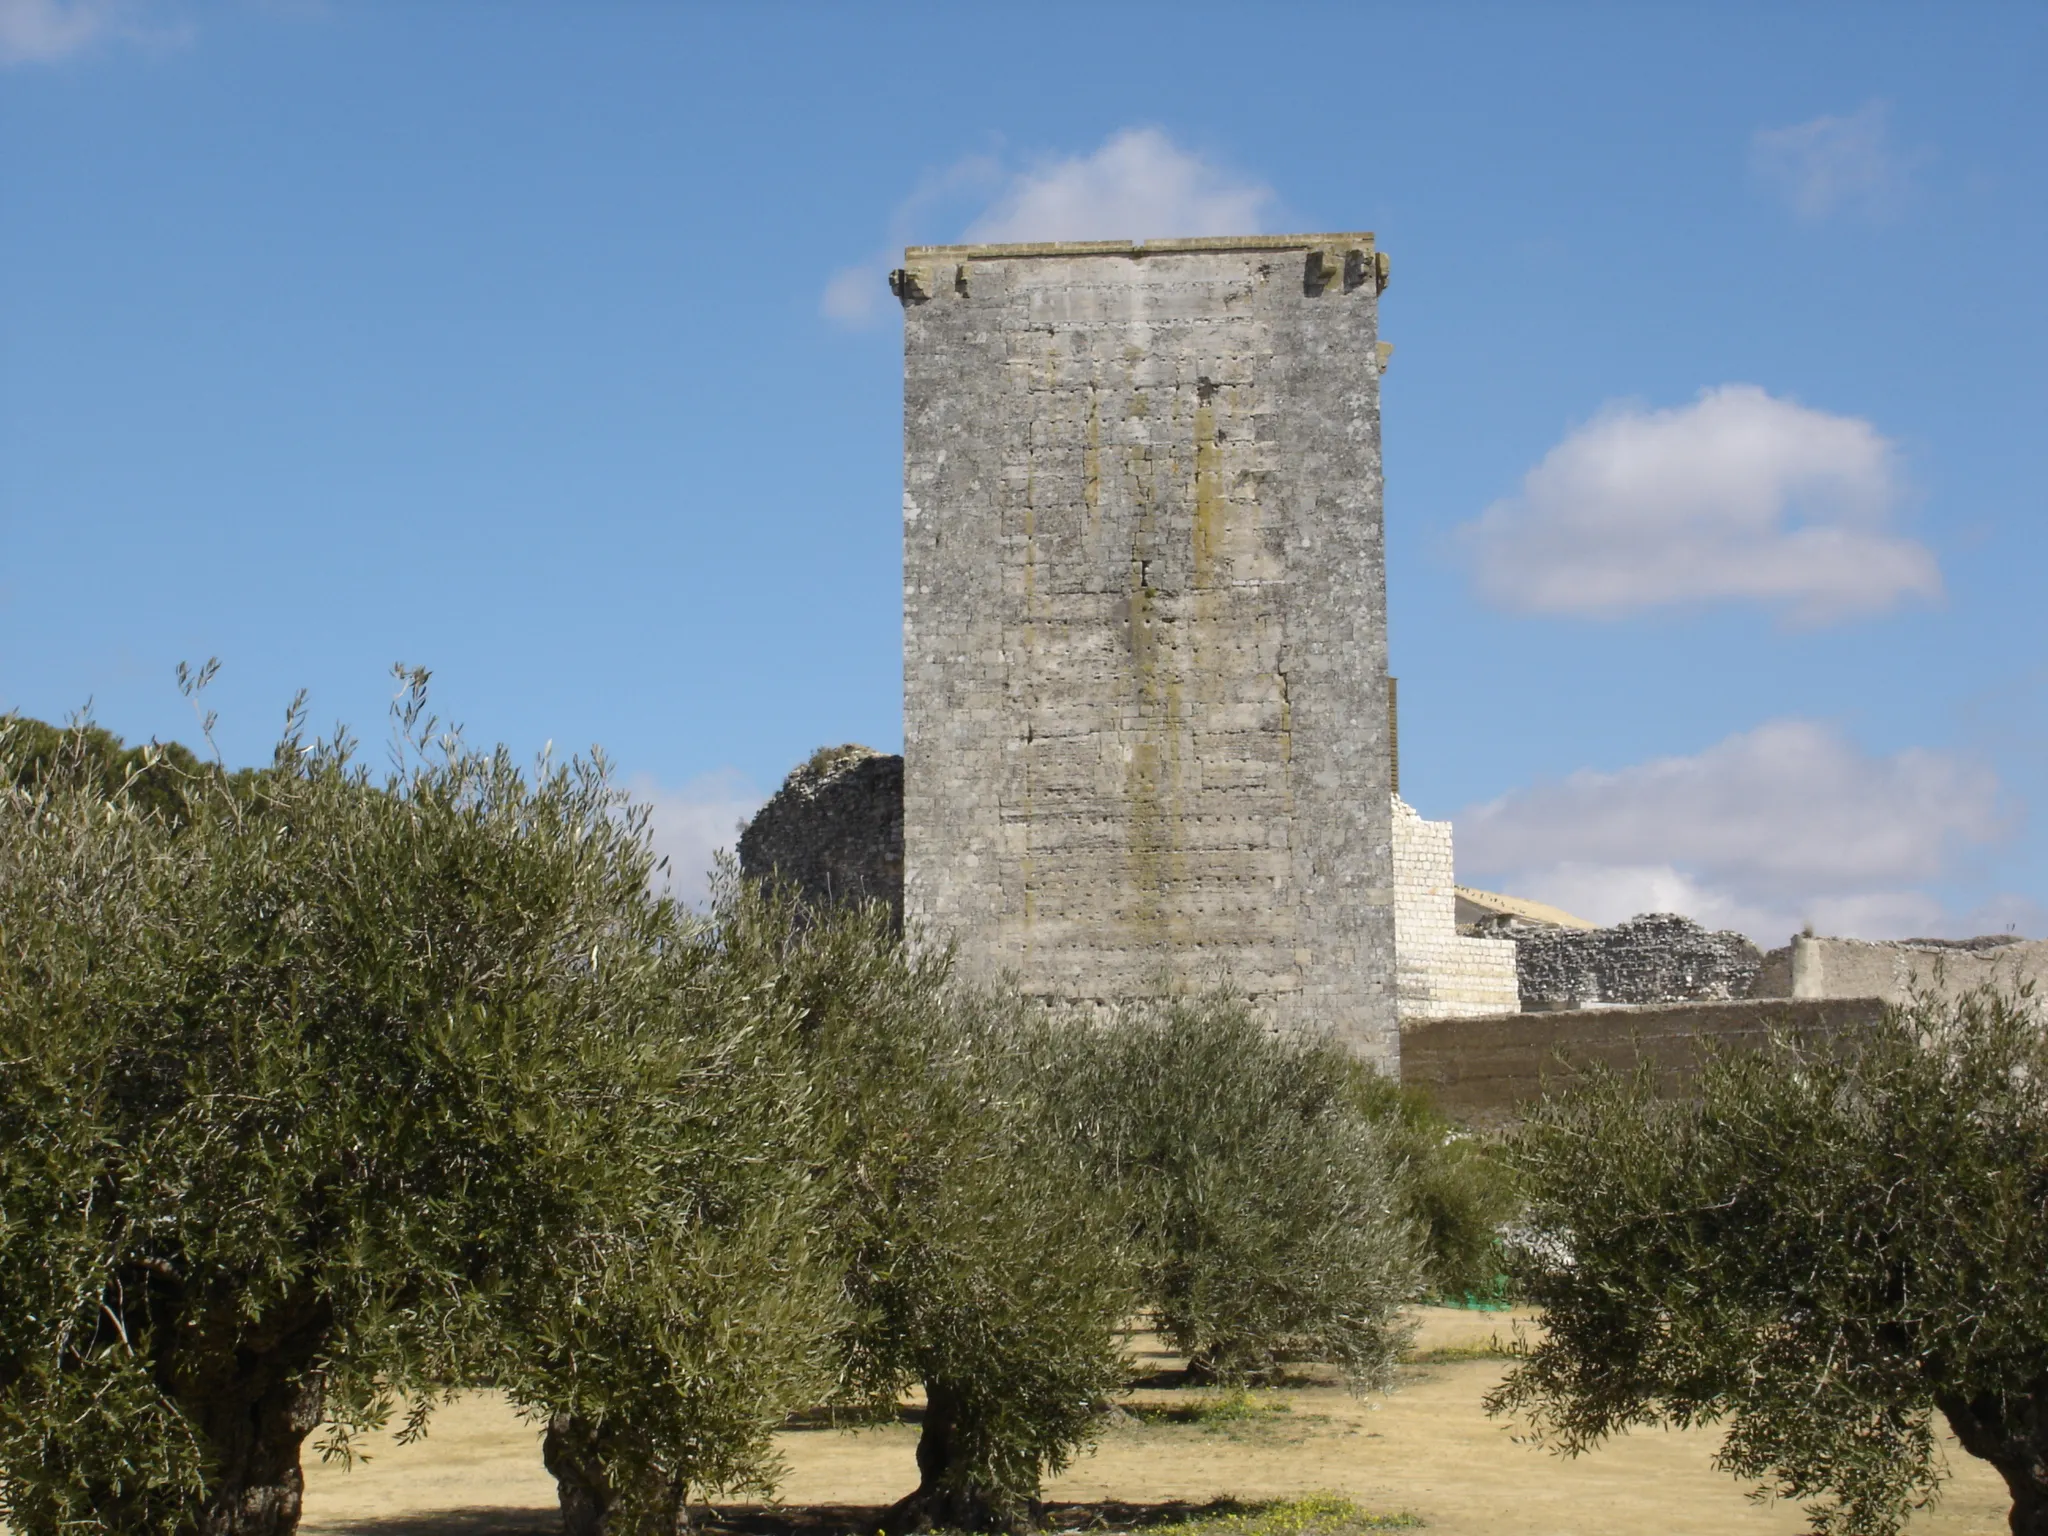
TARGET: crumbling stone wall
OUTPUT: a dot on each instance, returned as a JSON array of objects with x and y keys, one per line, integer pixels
[
  {"x": 1658, "y": 957},
  {"x": 1145, "y": 718},
  {"x": 834, "y": 830},
  {"x": 1440, "y": 972}
]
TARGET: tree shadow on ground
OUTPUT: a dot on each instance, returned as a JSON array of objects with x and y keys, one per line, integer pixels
[
  {"x": 1105, "y": 1516},
  {"x": 850, "y": 1418},
  {"x": 453, "y": 1522}
]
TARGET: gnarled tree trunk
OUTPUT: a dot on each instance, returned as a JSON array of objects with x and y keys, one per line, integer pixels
[
  {"x": 591, "y": 1504},
  {"x": 254, "y": 1397},
  {"x": 261, "y": 1487},
  {"x": 2013, "y": 1436},
  {"x": 947, "y": 1497}
]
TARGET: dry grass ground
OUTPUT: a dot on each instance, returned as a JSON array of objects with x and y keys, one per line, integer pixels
[{"x": 1425, "y": 1450}]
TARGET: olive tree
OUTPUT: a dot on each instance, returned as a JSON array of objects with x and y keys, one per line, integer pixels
[
  {"x": 1830, "y": 1251},
  {"x": 690, "y": 1305},
  {"x": 1456, "y": 1189},
  {"x": 978, "y": 1261},
  {"x": 308, "y": 1092},
  {"x": 156, "y": 779},
  {"x": 1264, "y": 1191}
]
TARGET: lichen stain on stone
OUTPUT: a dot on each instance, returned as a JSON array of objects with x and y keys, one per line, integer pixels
[
  {"x": 1152, "y": 758},
  {"x": 1091, "y": 471},
  {"x": 1210, "y": 510}
]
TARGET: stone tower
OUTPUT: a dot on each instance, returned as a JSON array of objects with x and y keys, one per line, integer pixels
[{"x": 1145, "y": 713}]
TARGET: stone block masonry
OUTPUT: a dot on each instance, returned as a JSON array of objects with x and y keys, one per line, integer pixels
[
  {"x": 1145, "y": 714},
  {"x": 1441, "y": 973}
]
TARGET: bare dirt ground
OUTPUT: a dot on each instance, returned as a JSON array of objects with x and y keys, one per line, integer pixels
[{"x": 1425, "y": 1449}]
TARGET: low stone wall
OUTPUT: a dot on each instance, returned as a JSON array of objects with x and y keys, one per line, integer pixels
[
  {"x": 1658, "y": 957},
  {"x": 1485, "y": 1071},
  {"x": 1894, "y": 969},
  {"x": 834, "y": 830}
]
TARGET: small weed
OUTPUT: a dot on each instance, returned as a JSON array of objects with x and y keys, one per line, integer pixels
[
  {"x": 1236, "y": 1413},
  {"x": 1237, "y": 1406},
  {"x": 1452, "y": 1354},
  {"x": 1316, "y": 1514}
]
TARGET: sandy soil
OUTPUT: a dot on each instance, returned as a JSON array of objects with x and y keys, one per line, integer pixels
[{"x": 1426, "y": 1448}]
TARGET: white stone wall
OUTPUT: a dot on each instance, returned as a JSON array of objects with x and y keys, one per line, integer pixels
[{"x": 1438, "y": 972}]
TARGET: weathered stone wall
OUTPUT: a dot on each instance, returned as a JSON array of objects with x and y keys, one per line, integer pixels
[
  {"x": 1658, "y": 957},
  {"x": 1894, "y": 969},
  {"x": 1145, "y": 713},
  {"x": 834, "y": 830},
  {"x": 1439, "y": 972},
  {"x": 1487, "y": 1071}
]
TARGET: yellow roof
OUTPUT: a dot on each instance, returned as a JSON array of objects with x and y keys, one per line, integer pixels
[{"x": 1516, "y": 906}]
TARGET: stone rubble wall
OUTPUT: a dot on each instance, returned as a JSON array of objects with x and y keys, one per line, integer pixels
[
  {"x": 1145, "y": 722},
  {"x": 1658, "y": 957},
  {"x": 834, "y": 830},
  {"x": 1440, "y": 973}
]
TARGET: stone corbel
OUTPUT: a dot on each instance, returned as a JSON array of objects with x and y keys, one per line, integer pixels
[
  {"x": 913, "y": 285},
  {"x": 1354, "y": 267},
  {"x": 1322, "y": 267}
]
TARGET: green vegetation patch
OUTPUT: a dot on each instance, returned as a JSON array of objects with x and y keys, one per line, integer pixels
[
  {"x": 1495, "y": 1348},
  {"x": 1239, "y": 1408},
  {"x": 1315, "y": 1514},
  {"x": 1235, "y": 1413}
]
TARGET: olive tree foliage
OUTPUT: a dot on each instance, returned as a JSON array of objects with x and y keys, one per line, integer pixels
[
  {"x": 1265, "y": 1197},
  {"x": 1829, "y": 1252},
  {"x": 691, "y": 1305},
  {"x": 1456, "y": 1188},
  {"x": 156, "y": 779},
  {"x": 977, "y": 1259},
  {"x": 310, "y": 1093}
]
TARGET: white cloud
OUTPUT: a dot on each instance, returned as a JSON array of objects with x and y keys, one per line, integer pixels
[
  {"x": 1786, "y": 824},
  {"x": 41, "y": 31},
  {"x": 1835, "y": 164},
  {"x": 1139, "y": 185},
  {"x": 857, "y": 296},
  {"x": 32, "y": 31},
  {"x": 1739, "y": 496},
  {"x": 1608, "y": 893},
  {"x": 691, "y": 824},
  {"x": 853, "y": 295}
]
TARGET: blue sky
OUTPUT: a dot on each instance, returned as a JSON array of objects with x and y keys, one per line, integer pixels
[{"x": 546, "y": 346}]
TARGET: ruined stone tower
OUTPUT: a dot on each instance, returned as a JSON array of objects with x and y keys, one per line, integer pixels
[{"x": 1145, "y": 709}]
